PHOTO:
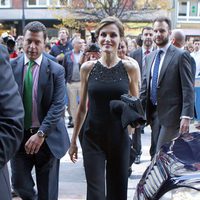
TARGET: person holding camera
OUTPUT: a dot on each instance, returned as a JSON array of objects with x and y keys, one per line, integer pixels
[
  {"x": 105, "y": 146},
  {"x": 9, "y": 42},
  {"x": 92, "y": 51}
]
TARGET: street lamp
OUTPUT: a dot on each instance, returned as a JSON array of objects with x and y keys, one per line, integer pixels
[{"x": 23, "y": 15}]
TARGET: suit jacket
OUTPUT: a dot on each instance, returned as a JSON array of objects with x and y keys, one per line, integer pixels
[
  {"x": 175, "y": 92},
  {"x": 50, "y": 102},
  {"x": 11, "y": 120},
  {"x": 193, "y": 65},
  {"x": 50, "y": 56},
  {"x": 137, "y": 55},
  {"x": 11, "y": 111}
]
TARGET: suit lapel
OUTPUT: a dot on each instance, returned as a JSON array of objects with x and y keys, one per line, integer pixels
[
  {"x": 19, "y": 67},
  {"x": 168, "y": 57},
  {"x": 43, "y": 78},
  {"x": 140, "y": 58},
  {"x": 149, "y": 66}
]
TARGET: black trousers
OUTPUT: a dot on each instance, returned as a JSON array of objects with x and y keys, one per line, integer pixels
[
  {"x": 136, "y": 141},
  {"x": 155, "y": 130},
  {"x": 47, "y": 172},
  {"x": 106, "y": 152}
]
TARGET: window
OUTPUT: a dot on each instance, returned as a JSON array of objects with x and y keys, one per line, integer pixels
[
  {"x": 32, "y": 2},
  {"x": 193, "y": 8},
  {"x": 43, "y": 3},
  {"x": 5, "y": 3},
  {"x": 182, "y": 8}
]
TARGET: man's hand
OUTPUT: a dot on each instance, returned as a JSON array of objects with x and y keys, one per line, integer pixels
[
  {"x": 33, "y": 144},
  {"x": 184, "y": 126}
]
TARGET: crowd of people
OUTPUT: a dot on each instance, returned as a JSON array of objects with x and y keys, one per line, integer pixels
[{"x": 85, "y": 78}]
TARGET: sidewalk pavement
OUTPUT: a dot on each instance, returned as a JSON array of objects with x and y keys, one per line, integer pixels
[{"x": 72, "y": 184}]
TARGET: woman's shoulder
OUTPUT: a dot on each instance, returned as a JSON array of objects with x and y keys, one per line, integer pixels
[
  {"x": 87, "y": 66},
  {"x": 130, "y": 63}
]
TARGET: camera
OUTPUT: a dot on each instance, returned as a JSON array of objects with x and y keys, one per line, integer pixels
[
  {"x": 10, "y": 42},
  {"x": 8, "y": 39},
  {"x": 93, "y": 47}
]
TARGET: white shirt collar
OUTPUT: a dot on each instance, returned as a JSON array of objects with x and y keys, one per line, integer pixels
[
  {"x": 143, "y": 49},
  {"x": 164, "y": 49},
  {"x": 38, "y": 61}
]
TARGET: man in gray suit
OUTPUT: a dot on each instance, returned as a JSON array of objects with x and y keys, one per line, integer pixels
[
  {"x": 11, "y": 121},
  {"x": 42, "y": 87},
  {"x": 147, "y": 47},
  {"x": 167, "y": 87}
]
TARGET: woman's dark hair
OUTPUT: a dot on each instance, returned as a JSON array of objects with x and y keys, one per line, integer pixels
[
  {"x": 111, "y": 20},
  {"x": 36, "y": 27}
]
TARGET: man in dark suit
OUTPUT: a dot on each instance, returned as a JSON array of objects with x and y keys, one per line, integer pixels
[
  {"x": 11, "y": 121},
  {"x": 167, "y": 87},
  {"x": 42, "y": 87},
  {"x": 139, "y": 55}
]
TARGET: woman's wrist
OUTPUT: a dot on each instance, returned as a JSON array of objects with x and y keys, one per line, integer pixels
[{"x": 73, "y": 141}]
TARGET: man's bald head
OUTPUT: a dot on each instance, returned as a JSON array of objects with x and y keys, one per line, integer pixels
[{"x": 178, "y": 38}]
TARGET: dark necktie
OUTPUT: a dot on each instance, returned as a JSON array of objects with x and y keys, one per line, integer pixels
[
  {"x": 27, "y": 95},
  {"x": 155, "y": 78}
]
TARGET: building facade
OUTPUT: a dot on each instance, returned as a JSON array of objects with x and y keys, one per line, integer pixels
[
  {"x": 14, "y": 14},
  {"x": 188, "y": 17}
]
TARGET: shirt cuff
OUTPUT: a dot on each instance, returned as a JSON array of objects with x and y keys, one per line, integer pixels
[{"x": 185, "y": 117}]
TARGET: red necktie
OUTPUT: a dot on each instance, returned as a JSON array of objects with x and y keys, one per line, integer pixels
[{"x": 146, "y": 52}]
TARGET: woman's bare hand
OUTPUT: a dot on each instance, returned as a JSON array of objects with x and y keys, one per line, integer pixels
[{"x": 73, "y": 152}]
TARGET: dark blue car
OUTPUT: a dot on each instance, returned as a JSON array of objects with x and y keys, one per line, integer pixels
[{"x": 174, "y": 173}]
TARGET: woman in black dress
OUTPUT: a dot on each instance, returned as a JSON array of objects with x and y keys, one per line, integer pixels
[{"x": 105, "y": 144}]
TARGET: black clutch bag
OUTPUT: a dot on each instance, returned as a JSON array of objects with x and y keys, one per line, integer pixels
[
  {"x": 133, "y": 102},
  {"x": 129, "y": 109}
]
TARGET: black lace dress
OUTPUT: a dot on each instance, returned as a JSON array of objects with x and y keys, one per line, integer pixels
[{"x": 104, "y": 143}]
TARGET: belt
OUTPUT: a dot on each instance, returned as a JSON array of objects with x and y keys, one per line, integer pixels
[{"x": 32, "y": 130}]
